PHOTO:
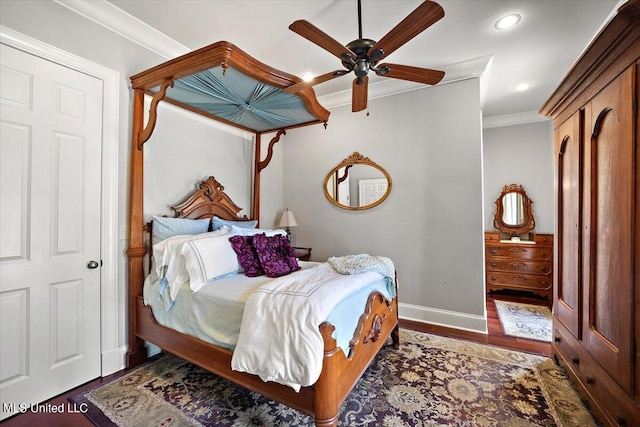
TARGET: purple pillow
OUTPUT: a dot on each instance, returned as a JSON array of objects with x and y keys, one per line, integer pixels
[
  {"x": 247, "y": 256},
  {"x": 276, "y": 255}
]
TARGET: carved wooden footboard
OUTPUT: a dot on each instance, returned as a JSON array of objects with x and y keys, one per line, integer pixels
[{"x": 339, "y": 374}]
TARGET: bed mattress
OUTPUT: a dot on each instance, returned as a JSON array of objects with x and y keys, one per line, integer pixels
[{"x": 214, "y": 313}]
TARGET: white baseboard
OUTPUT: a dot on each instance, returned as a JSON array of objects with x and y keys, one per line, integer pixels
[
  {"x": 449, "y": 319},
  {"x": 113, "y": 360}
]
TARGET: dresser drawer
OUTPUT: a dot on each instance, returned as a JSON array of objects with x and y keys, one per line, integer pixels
[
  {"x": 520, "y": 252},
  {"x": 519, "y": 266},
  {"x": 566, "y": 347},
  {"x": 530, "y": 267},
  {"x": 492, "y": 237},
  {"x": 544, "y": 239},
  {"x": 613, "y": 406},
  {"x": 517, "y": 280}
]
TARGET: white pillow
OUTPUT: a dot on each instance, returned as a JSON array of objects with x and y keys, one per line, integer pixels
[
  {"x": 169, "y": 262},
  {"x": 239, "y": 231},
  {"x": 209, "y": 258}
]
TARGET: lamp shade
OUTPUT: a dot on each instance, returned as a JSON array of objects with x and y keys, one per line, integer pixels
[{"x": 288, "y": 219}]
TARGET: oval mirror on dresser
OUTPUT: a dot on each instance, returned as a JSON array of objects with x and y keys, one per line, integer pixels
[{"x": 514, "y": 215}]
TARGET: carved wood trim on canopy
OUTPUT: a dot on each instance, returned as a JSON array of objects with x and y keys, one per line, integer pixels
[{"x": 226, "y": 55}]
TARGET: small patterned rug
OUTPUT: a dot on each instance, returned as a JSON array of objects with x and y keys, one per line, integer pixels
[
  {"x": 525, "y": 320},
  {"x": 429, "y": 381}
]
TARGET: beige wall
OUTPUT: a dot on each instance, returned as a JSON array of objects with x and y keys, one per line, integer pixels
[
  {"x": 185, "y": 149},
  {"x": 431, "y": 225},
  {"x": 520, "y": 154}
]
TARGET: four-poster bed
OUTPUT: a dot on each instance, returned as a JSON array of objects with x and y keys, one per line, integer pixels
[{"x": 223, "y": 83}]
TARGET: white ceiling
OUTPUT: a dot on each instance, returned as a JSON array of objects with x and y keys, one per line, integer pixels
[{"x": 539, "y": 50}]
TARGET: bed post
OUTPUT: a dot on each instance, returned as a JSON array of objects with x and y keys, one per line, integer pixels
[
  {"x": 255, "y": 214},
  {"x": 395, "y": 334},
  {"x": 136, "y": 251},
  {"x": 326, "y": 396}
]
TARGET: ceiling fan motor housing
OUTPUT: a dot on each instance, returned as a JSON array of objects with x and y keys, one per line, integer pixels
[{"x": 363, "y": 62}]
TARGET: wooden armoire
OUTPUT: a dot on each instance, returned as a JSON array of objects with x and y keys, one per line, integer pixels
[{"x": 596, "y": 305}]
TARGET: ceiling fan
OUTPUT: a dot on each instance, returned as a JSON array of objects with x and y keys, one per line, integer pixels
[{"x": 363, "y": 55}]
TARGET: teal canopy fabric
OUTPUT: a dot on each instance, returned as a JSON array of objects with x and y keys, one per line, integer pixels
[{"x": 240, "y": 99}]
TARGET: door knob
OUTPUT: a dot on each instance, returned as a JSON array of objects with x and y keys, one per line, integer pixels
[{"x": 92, "y": 264}]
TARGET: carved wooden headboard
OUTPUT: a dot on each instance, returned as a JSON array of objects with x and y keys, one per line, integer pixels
[{"x": 208, "y": 201}]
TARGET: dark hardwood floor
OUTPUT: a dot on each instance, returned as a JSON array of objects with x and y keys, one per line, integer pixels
[
  {"x": 495, "y": 334},
  {"x": 494, "y": 337}
]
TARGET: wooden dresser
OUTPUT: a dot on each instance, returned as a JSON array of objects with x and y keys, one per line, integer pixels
[
  {"x": 596, "y": 308},
  {"x": 520, "y": 266}
]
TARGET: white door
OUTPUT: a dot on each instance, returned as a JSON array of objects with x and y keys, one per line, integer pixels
[
  {"x": 372, "y": 190},
  {"x": 50, "y": 172}
]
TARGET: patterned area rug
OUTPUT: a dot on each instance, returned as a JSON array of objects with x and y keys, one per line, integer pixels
[
  {"x": 525, "y": 320},
  {"x": 430, "y": 381}
]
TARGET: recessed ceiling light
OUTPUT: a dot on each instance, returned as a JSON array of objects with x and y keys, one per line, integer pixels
[
  {"x": 307, "y": 77},
  {"x": 507, "y": 21},
  {"x": 523, "y": 86}
]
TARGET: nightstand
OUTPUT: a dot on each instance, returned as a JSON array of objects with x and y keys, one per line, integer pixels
[{"x": 303, "y": 254}]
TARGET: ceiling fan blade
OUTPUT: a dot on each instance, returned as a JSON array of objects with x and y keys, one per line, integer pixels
[
  {"x": 360, "y": 94},
  {"x": 414, "y": 74},
  {"x": 425, "y": 15},
  {"x": 320, "y": 38},
  {"x": 295, "y": 88}
]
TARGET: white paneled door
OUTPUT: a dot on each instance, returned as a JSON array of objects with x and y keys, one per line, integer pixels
[{"x": 50, "y": 172}]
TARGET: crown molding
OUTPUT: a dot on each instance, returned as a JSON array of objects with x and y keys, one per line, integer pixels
[
  {"x": 513, "y": 119},
  {"x": 473, "y": 68},
  {"x": 128, "y": 26}
]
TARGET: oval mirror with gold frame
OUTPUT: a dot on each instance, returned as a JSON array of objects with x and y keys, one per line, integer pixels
[
  {"x": 357, "y": 183},
  {"x": 514, "y": 215}
]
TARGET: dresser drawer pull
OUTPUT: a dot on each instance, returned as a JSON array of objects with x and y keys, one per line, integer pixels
[
  {"x": 493, "y": 251},
  {"x": 575, "y": 360},
  {"x": 557, "y": 339},
  {"x": 493, "y": 264},
  {"x": 590, "y": 379},
  {"x": 621, "y": 421}
]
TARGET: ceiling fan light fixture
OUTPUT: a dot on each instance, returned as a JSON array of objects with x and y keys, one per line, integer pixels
[
  {"x": 307, "y": 77},
  {"x": 523, "y": 86},
  {"x": 362, "y": 68},
  {"x": 507, "y": 21}
]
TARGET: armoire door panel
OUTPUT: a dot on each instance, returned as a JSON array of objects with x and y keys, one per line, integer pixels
[
  {"x": 568, "y": 180},
  {"x": 609, "y": 246}
]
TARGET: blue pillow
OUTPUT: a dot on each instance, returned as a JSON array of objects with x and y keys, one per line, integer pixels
[
  {"x": 219, "y": 223},
  {"x": 166, "y": 227}
]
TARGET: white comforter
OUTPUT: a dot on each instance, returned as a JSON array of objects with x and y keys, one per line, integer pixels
[{"x": 279, "y": 337}]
